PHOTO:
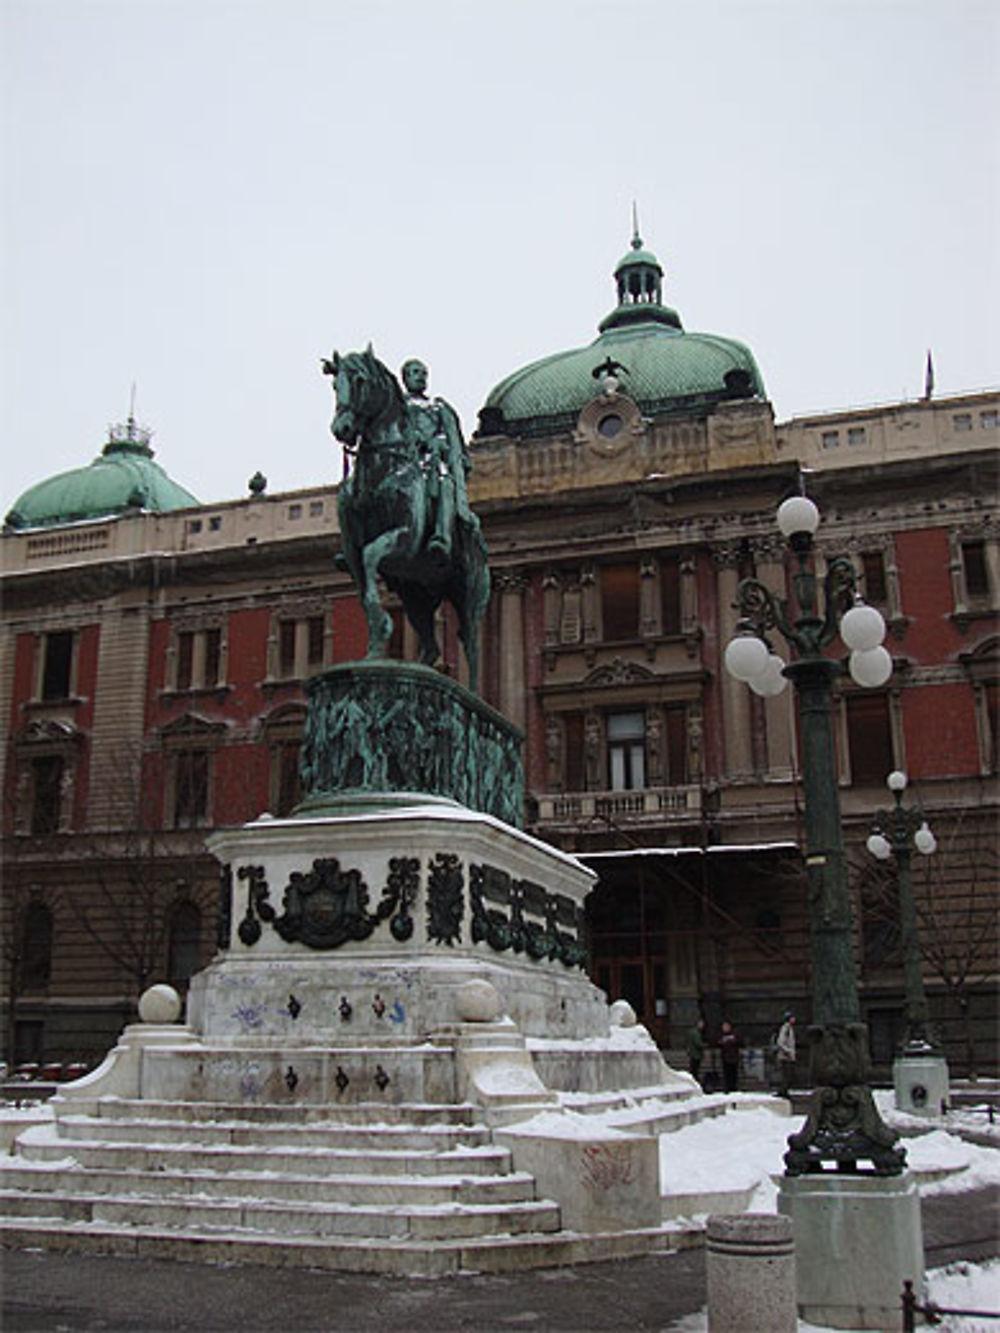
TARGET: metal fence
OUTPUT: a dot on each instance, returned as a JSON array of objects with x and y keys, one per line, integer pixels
[{"x": 933, "y": 1313}]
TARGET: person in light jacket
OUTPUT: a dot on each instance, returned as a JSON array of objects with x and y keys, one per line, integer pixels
[{"x": 786, "y": 1053}]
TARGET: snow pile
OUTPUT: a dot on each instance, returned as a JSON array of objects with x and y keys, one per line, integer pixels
[{"x": 722, "y": 1151}]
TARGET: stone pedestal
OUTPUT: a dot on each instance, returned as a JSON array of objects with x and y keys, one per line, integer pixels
[
  {"x": 857, "y": 1238},
  {"x": 750, "y": 1268},
  {"x": 921, "y": 1083}
]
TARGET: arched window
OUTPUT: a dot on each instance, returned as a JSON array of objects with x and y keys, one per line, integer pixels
[
  {"x": 184, "y": 943},
  {"x": 36, "y": 947}
]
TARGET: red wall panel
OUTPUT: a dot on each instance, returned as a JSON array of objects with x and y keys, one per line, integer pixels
[
  {"x": 350, "y": 630},
  {"x": 923, "y": 560},
  {"x": 939, "y": 724}
]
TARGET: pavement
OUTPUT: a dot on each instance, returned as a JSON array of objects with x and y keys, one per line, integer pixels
[{"x": 67, "y": 1293}]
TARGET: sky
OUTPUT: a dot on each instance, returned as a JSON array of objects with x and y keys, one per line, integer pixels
[{"x": 203, "y": 198}]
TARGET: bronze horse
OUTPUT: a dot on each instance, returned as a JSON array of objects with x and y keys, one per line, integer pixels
[{"x": 385, "y": 517}]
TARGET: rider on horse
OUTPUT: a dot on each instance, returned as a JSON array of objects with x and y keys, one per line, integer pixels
[{"x": 444, "y": 458}]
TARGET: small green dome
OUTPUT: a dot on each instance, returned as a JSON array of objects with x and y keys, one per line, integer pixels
[
  {"x": 123, "y": 478},
  {"x": 656, "y": 362},
  {"x": 636, "y": 256}
]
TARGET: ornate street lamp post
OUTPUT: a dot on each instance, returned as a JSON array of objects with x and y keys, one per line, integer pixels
[
  {"x": 843, "y": 1125},
  {"x": 892, "y": 834},
  {"x": 920, "y": 1072}
]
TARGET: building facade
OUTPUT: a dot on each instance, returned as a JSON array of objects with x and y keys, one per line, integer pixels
[{"x": 155, "y": 651}]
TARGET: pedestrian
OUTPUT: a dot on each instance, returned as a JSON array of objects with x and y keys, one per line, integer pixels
[
  {"x": 729, "y": 1052},
  {"x": 785, "y": 1050},
  {"x": 696, "y": 1048}
]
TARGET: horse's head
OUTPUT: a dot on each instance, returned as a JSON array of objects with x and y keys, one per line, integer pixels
[{"x": 365, "y": 391}]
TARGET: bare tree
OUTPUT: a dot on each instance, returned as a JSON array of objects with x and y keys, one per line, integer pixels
[
  {"x": 955, "y": 892},
  {"x": 134, "y": 875}
]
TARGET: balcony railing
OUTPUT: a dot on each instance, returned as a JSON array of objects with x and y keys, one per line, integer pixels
[{"x": 648, "y": 803}]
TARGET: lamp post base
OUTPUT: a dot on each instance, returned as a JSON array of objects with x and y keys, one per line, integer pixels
[
  {"x": 920, "y": 1081},
  {"x": 857, "y": 1238},
  {"x": 843, "y": 1127}
]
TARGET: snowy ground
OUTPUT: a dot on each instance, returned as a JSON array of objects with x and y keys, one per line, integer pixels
[
  {"x": 743, "y": 1150},
  {"x": 747, "y": 1146}
]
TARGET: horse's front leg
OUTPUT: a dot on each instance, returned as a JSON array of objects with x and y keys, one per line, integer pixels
[{"x": 379, "y": 620}]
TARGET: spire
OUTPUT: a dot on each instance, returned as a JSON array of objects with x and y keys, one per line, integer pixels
[
  {"x": 636, "y": 238},
  {"x": 929, "y": 377}
]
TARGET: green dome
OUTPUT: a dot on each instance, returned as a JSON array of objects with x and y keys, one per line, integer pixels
[
  {"x": 637, "y": 255},
  {"x": 657, "y": 363},
  {"x": 123, "y": 478}
]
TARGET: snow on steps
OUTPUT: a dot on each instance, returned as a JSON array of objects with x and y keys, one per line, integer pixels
[
  {"x": 402, "y": 1258},
  {"x": 376, "y": 1188}
]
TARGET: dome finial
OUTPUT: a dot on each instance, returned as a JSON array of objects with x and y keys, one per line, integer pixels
[
  {"x": 636, "y": 238},
  {"x": 129, "y": 434}
]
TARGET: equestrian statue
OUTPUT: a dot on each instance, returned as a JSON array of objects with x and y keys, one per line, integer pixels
[{"x": 403, "y": 504}]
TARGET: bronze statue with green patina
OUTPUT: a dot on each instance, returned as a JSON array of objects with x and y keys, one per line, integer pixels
[{"x": 403, "y": 506}]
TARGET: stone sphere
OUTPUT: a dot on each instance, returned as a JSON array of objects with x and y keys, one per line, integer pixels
[
  {"x": 622, "y": 1015},
  {"x": 160, "y": 1004},
  {"x": 477, "y": 1002}
]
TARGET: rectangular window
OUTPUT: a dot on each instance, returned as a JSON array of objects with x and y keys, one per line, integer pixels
[
  {"x": 873, "y": 571},
  {"x": 316, "y": 629},
  {"x": 213, "y": 656},
  {"x": 989, "y": 419},
  {"x": 185, "y": 660},
  {"x": 830, "y": 439},
  {"x": 992, "y": 702},
  {"x": 191, "y": 789},
  {"x": 286, "y": 648},
  {"x": 194, "y": 525},
  {"x": 620, "y": 601},
  {"x": 977, "y": 582},
  {"x": 962, "y": 421},
  {"x": 855, "y": 436},
  {"x": 215, "y": 523},
  {"x": 869, "y": 737},
  {"x": 575, "y": 779},
  {"x": 677, "y": 773},
  {"x": 46, "y": 796},
  {"x": 294, "y": 511},
  {"x": 670, "y": 596},
  {"x": 57, "y": 668},
  {"x": 315, "y": 508},
  {"x": 289, "y": 785},
  {"x": 627, "y": 751}
]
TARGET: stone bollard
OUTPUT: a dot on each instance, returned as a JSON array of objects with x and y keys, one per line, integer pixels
[{"x": 750, "y": 1263}]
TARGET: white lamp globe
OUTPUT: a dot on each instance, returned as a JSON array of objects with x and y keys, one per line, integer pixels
[
  {"x": 746, "y": 656},
  {"x": 862, "y": 627},
  {"x": 870, "y": 667},
  {"x": 797, "y": 514},
  {"x": 925, "y": 839},
  {"x": 879, "y": 847},
  {"x": 896, "y": 781},
  {"x": 770, "y": 682}
]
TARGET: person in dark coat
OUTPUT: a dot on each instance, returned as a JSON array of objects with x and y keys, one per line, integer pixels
[
  {"x": 696, "y": 1048},
  {"x": 729, "y": 1053}
]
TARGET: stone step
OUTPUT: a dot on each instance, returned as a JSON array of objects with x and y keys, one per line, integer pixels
[
  {"x": 440, "y": 1222},
  {"x": 402, "y": 1258},
  {"x": 417, "y": 1191},
  {"x": 292, "y": 1113},
  {"x": 153, "y": 1155},
  {"x": 223, "y": 1132}
]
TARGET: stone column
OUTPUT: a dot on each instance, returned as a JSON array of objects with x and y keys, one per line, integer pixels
[
  {"x": 737, "y": 737},
  {"x": 778, "y": 712},
  {"x": 750, "y": 1266},
  {"x": 512, "y": 667}
]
